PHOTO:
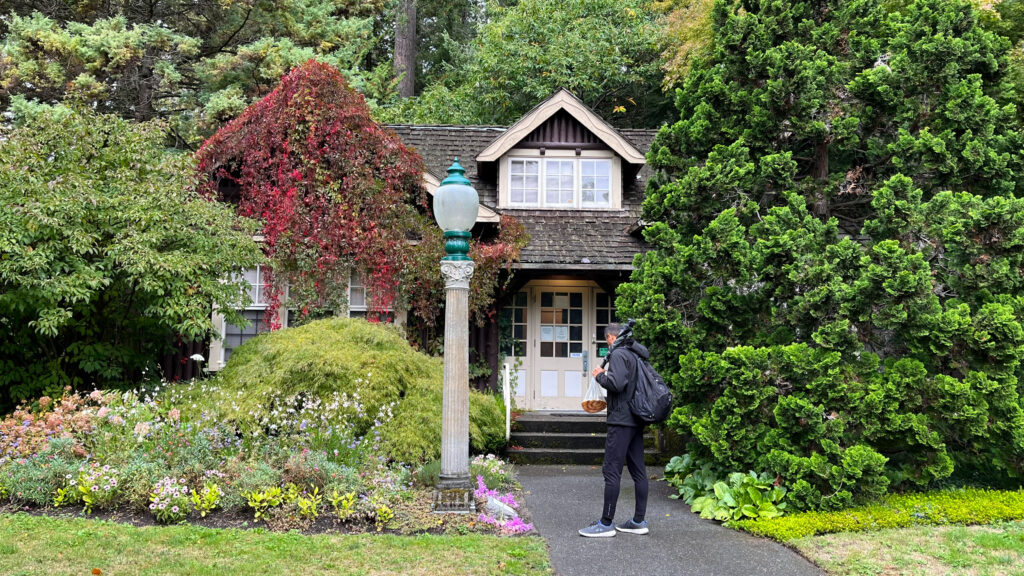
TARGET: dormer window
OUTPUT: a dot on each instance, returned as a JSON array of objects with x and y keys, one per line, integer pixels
[
  {"x": 596, "y": 183},
  {"x": 563, "y": 182},
  {"x": 524, "y": 189}
]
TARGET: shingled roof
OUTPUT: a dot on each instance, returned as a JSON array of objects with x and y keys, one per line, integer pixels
[
  {"x": 559, "y": 239},
  {"x": 439, "y": 145}
]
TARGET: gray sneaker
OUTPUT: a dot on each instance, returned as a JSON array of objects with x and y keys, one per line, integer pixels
[
  {"x": 633, "y": 527},
  {"x": 598, "y": 530}
]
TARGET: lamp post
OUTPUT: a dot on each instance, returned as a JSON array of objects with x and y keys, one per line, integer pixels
[{"x": 455, "y": 208}]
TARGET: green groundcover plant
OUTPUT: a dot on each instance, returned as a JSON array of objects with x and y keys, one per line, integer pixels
[
  {"x": 969, "y": 506},
  {"x": 722, "y": 497},
  {"x": 837, "y": 253}
]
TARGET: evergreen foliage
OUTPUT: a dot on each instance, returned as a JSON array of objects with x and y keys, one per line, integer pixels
[
  {"x": 198, "y": 63},
  {"x": 835, "y": 271},
  {"x": 107, "y": 251}
]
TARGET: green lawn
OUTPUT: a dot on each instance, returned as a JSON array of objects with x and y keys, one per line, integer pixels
[
  {"x": 995, "y": 550},
  {"x": 53, "y": 546}
]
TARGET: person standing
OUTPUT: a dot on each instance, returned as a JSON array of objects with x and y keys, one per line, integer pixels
[{"x": 625, "y": 440}]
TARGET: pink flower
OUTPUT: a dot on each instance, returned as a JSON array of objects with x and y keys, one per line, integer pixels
[
  {"x": 102, "y": 413},
  {"x": 174, "y": 414}
]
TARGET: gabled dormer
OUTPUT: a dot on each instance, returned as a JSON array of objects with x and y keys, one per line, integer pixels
[{"x": 561, "y": 156}]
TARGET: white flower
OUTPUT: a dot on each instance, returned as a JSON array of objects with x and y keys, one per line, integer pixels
[{"x": 198, "y": 358}]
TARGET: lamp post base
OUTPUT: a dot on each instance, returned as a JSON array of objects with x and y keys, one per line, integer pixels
[{"x": 454, "y": 495}]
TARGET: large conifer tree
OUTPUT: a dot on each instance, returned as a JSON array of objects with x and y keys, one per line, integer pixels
[{"x": 836, "y": 272}]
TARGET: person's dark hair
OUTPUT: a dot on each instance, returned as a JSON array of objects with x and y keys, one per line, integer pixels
[{"x": 613, "y": 329}]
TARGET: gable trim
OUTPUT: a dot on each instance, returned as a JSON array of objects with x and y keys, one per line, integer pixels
[{"x": 561, "y": 100}]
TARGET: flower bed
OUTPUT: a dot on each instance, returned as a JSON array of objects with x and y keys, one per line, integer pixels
[{"x": 152, "y": 456}]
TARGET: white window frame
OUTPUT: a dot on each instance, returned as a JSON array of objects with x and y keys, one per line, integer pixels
[
  {"x": 575, "y": 190},
  {"x": 594, "y": 157},
  {"x": 594, "y": 161},
  {"x": 365, "y": 307},
  {"x": 540, "y": 181},
  {"x": 258, "y": 304}
]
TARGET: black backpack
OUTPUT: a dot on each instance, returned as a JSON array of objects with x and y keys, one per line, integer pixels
[{"x": 652, "y": 400}]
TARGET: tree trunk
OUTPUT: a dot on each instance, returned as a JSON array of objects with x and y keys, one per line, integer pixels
[
  {"x": 144, "y": 104},
  {"x": 405, "y": 47},
  {"x": 820, "y": 173}
]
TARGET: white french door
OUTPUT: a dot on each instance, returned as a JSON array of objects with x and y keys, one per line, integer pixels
[{"x": 557, "y": 334}]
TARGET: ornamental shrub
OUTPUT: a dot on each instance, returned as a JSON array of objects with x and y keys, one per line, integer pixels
[
  {"x": 837, "y": 254},
  {"x": 367, "y": 372}
]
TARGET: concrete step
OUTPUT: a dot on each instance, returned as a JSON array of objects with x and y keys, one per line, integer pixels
[
  {"x": 567, "y": 424},
  {"x": 592, "y": 440},
  {"x": 581, "y": 457}
]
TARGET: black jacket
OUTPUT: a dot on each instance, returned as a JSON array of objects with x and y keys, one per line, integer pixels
[{"x": 619, "y": 379}]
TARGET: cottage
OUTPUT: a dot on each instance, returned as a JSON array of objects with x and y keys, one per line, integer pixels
[{"x": 576, "y": 183}]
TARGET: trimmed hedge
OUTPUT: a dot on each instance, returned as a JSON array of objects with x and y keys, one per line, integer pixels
[
  {"x": 372, "y": 365},
  {"x": 968, "y": 506}
]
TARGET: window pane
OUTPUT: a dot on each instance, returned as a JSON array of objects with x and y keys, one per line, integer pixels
[
  {"x": 576, "y": 300},
  {"x": 559, "y": 182},
  {"x": 521, "y": 299},
  {"x": 546, "y": 299},
  {"x": 547, "y": 349},
  {"x": 524, "y": 181},
  {"x": 357, "y": 297},
  {"x": 561, "y": 350},
  {"x": 602, "y": 299},
  {"x": 596, "y": 182},
  {"x": 575, "y": 347},
  {"x": 576, "y": 316}
]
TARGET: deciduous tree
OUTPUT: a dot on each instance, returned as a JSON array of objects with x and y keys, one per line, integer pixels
[{"x": 107, "y": 251}]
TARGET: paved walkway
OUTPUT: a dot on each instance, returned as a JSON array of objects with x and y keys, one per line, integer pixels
[{"x": 563, "y": 499}]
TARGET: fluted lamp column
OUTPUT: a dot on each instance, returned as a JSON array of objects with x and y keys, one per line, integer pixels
[{"x": 455, "y": 208}]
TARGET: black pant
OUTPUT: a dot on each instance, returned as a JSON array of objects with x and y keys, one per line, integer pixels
[{"x": 624, "y": 443}]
